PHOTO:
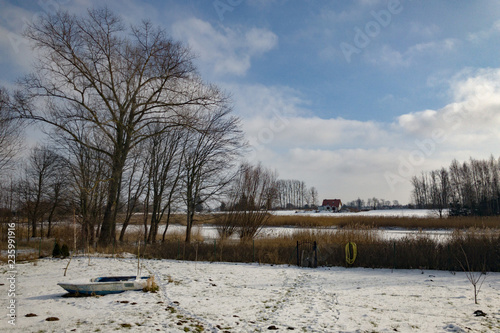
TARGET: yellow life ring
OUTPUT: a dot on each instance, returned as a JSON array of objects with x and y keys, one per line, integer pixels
[{"x": 350, "y": 258}]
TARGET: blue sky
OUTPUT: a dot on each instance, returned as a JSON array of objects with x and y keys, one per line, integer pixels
[{"x": 353, "y": 97}]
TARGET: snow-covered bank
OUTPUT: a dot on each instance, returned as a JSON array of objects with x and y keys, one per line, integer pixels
[
  {"x": 419, "y": 213},
  {"x": 219, "y": 297}
]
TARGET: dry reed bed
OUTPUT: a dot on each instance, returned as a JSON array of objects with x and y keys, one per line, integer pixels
[
  {"x": 300, "y": 220},
  {"x": 478, "y": 245},
  {"x": 481, "y": 247}
]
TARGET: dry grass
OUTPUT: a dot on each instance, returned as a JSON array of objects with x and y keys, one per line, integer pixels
[
  {"x": 385, "y": 221},
  {"x": 299, "y": 220},
  {"x": 174, "y": 219},
  {"x": 479, "y": 237},
  {"x": 359, "y": 233}
]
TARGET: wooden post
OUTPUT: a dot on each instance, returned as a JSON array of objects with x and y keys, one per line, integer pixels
[
  {"x": 298, "y": 256},
  {"x": 253, "y": 246},
  {"x": 315, "y": 248},
  {"x": 138, "y": 258},
  {"x": 394, "y": 255},
  {"x": 74, "y": 230}
]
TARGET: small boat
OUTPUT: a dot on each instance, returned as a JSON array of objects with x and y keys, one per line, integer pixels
[{"x": 105, "y": 285}]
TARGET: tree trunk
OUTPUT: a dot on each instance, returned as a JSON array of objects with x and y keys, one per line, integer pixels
[
  {"x": 108, "y": 227},
  {"x": 166, "y": 225},
  {"x": 189, "y": 223},
  {"x": 106, "y": 236}
]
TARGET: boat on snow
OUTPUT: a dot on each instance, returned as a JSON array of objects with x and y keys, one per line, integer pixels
[{"x": 105, "y": 285}]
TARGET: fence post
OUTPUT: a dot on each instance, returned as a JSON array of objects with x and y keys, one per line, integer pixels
[
  {"x": 315, "y": 247},
  {"x": 178, "y": 248},
  {"x": 449, "y": 257},
  {"x": 253, "y": 247},
  {"x": 298, "y": 258},
  {"x": 394, "y": 255}
]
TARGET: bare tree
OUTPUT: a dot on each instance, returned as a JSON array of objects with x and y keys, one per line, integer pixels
[
  {"x": 58, "y": 184},
  {"x": 42, "y": 170},
  {"x": 469, "y": 188},
  {"x": 256, "y": 188},
  {"x": 247, "y": 202},
  {"x": 134, "y": 184},
  {"x": 208, "y": 158},
  {"x": 314, "y": 197},
  {"x": 475, "y": 278},
  {"x": 92, "y": 70},
  {"x": 89, "y": 172},
  {"x": 165, "y": 155},
  {"x": 10, "y": 131}
]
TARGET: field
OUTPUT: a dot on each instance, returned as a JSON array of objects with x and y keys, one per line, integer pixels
[{"x": 225, "y": 297}]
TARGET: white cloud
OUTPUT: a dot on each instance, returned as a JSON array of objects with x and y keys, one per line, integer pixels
[
  {"x": 482, "y": 35},
  {"x": 448, "y": 44},
  {"x": 267, "y": 101},
  {"x": 424, "y": 30},
  {"x": 351, "y": 158},
  {"x": 224, "y": 50},
  {"x": 389, "y": 56},
  {"x": 474, "y": 108}
]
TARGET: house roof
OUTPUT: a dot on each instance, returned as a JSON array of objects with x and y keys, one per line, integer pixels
[{"x": 332, "y": 202}]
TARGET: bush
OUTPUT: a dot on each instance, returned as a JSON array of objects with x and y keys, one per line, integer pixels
[
  {"x": 56, "y": 252},
  {"x": 64, "y": 251}
]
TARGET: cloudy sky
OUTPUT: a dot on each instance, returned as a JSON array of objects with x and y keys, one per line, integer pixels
[{"x": 352, "y": 97}]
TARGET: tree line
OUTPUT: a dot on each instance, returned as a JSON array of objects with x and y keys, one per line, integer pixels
[
  {"x": 468, "y": 188},
  {"x": 372, "y": 203},
  {"x": 129, "y": 118},
  {"x": 132, "y": 129}
]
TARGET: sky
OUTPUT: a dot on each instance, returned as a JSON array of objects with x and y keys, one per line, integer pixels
[{"x": 351, "y": 97}]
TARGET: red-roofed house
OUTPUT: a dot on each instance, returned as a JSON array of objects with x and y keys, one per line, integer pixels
[{"x": 331, "y": 205}]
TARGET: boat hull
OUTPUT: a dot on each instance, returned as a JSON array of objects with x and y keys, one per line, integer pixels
[{"x": 105, "y": 285}]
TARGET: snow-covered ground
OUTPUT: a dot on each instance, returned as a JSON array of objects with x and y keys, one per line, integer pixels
[{"x": 224, "y": 297}]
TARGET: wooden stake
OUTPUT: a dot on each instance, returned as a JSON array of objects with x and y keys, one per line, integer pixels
[
  {"x": 66, "y": 269},
  {"x": 138, "y": 258}
]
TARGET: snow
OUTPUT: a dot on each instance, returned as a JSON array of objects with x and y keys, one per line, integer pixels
[
  {"x": 250, "y": 297},
  {"x": 209, "y": 232},
  {"x": 420, "y": 213}
]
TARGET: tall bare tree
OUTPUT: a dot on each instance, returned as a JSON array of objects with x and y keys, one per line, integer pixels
[
  {"x": 10, "y": 131},
  {"x": 208, "y": 158},
  {"x": 42, "y": 171},
  {"x": 92, "y": 70},
  {"x": 164, "y": 154},
  {"x": 248, "y": 202}
]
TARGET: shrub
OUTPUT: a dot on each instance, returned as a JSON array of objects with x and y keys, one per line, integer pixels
[
  {"x": 64, "y": 251},
  {"x": 56, "y": 252}
]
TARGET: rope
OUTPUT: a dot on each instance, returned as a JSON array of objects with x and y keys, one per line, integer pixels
[{"x": 348, "y": 257}]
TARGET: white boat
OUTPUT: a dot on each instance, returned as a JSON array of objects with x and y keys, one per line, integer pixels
[{"x": 105, "y": 285}]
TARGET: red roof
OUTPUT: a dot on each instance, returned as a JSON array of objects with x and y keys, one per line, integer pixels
[{"x": 332, "y": 203}]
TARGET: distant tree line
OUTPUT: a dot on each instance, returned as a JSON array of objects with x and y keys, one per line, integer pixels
[
  {"x": 280, "y": 194},
  {"x": 294, "y": 194},
  {"x": 372, "y": 203},
  {"x": 468, "y": 188}
]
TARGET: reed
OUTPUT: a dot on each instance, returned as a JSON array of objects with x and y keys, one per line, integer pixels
[
  {"x": 480, "y": 241},
  {"x": 385, "y": 221}
]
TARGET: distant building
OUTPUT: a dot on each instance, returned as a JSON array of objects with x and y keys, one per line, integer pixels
[{"x": 331, "y": 205}]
